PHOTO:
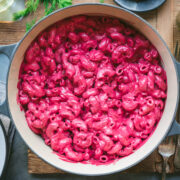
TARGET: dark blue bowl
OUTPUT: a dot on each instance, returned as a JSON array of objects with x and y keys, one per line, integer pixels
[{"x": 141, "y": 5}]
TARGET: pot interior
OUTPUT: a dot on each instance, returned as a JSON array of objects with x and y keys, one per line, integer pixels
[{"x": 36, "y": 143}]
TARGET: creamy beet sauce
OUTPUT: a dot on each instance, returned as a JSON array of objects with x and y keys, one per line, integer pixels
[{"x": 93, "y": 88}]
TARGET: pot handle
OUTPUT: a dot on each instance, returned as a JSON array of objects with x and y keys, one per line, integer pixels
[
  {"x": 175, "y": 128},
  {"x": 6, "y": 53},
  {"x": 177, "y": 68}
]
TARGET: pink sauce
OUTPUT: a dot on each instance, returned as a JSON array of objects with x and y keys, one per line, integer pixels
[{"x": 93, "y": 88}]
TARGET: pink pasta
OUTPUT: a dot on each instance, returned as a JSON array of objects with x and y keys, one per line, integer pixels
[{"x": 93, "y": 88}]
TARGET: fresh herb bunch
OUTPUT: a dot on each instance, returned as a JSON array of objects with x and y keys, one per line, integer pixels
[
  {"x": 32, "y": 5},
  {"x": 50, "y": 6}
]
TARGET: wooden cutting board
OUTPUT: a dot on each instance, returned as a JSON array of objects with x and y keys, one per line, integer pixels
[{"x": 163, "y": 19}]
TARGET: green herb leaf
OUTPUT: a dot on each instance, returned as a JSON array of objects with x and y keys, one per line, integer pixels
[
  {"x": 101, "y": 1},
  {"x": 64, "y": 3},
  {"x": 32, "y": 5},
  {"x": 51, "y": 9},
  {"x": 20, "y": 14},
  {"x": 36, "y": 4},
  {"x": 30, "y": 25}
]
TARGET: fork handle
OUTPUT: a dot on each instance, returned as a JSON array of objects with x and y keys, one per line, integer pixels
[
  {"x": 177, "y": 154},
  {"x": 164, "y": 165}
]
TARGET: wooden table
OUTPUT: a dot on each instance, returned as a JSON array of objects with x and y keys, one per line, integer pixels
[{"x": 163, "y": 19}]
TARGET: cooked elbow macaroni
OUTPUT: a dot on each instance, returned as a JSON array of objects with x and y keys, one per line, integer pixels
[{"x": 93, "y": 88}]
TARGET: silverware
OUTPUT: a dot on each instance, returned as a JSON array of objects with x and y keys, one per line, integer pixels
[
  {"x": 166, "y": 149},
  {"x": 177, "y": 153}
]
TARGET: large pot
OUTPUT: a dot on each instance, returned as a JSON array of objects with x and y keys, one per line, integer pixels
[{"x": 36, "y": 144}]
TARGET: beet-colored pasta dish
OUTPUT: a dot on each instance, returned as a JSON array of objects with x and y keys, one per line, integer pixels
[{"x": 93, "y": 87}]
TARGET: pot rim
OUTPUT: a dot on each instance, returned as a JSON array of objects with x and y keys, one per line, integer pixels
[{"x": 164, "y": 43}]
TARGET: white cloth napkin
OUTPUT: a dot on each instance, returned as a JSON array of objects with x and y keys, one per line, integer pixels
[{"x": 6, "y": 121}]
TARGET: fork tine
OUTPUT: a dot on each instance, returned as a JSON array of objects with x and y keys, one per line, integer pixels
[
  {"x": 176, "y": 50},
  {"x": 171, "y": 139},
  {"x": 165, "y": 141}
]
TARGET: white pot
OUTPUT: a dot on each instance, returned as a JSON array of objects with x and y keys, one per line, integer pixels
[{"x": 36, "y": 143}]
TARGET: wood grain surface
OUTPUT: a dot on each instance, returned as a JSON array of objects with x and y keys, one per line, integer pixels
[
  {"x": 163, "y": 19},
  {"x": 176, "y": 37}
]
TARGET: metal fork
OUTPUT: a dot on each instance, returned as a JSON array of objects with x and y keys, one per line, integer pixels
[{"x": 166, "y": 149}]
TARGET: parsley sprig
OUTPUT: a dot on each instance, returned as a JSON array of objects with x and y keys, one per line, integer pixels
[
  {"x": 30, "y": 25},
  {"x": 50, "y": 6},
  {"x": 32, "y": 5}
]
